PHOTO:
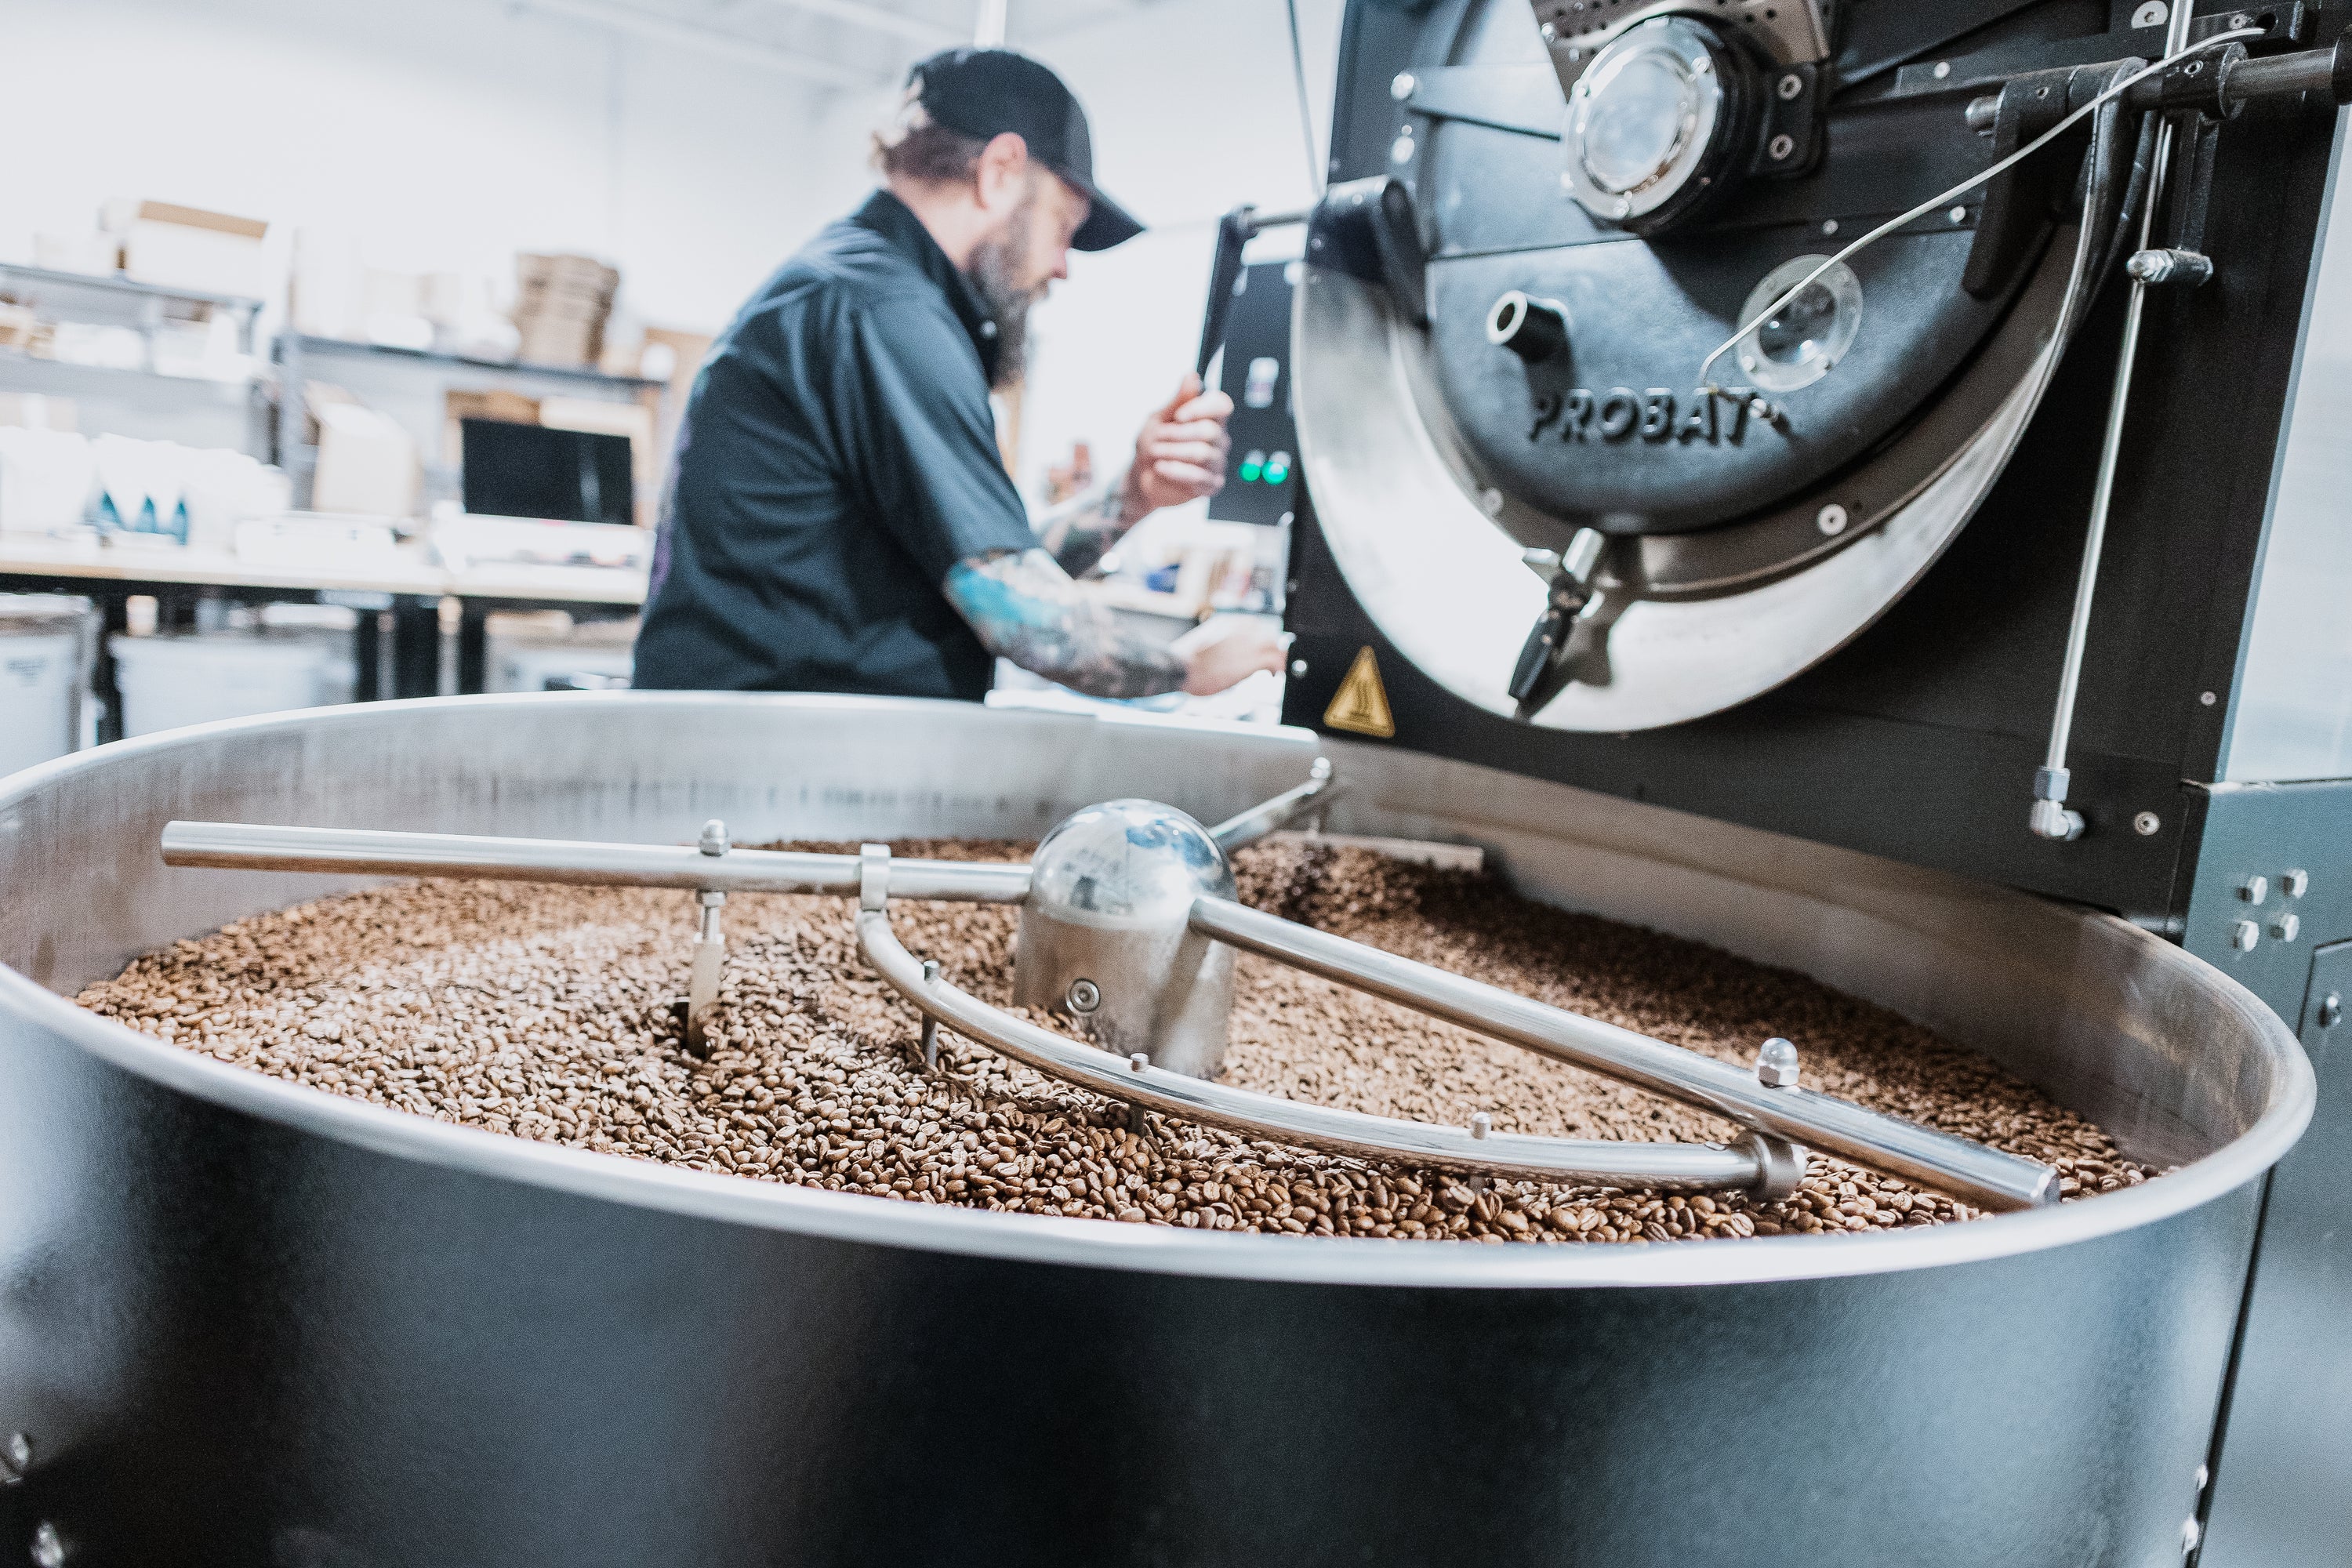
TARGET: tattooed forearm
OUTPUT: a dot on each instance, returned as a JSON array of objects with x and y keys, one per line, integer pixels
[
  {"x": 1025, "y": 608},
  {"x": 1081, "y": 531}
]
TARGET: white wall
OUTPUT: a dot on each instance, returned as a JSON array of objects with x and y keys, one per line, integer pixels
[{"x": 447, "y": 134}]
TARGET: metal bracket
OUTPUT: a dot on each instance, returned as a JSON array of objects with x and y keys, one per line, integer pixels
[{"x": 1787, "y": 32}]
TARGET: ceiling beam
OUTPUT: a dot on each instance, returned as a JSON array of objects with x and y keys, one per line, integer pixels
[
  {"x": 705, "y": 40},
  {"x": 863, "y": 14}
]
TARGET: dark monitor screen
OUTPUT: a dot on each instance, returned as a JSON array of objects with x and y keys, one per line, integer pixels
[{"x": 529, "y": 470}]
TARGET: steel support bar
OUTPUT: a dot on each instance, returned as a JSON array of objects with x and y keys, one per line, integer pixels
[
  {"x": 1983, "y": 1176},
  {"x": 246, "y": 846}
]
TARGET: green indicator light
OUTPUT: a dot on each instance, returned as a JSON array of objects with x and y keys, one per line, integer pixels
[
  {"x": 1252, "y": 465},
  {"x": 1277, "y": 467}
]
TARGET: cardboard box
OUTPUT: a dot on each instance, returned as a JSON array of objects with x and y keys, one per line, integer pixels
[
  {"x": 188, "y": 247},
  {"x": 367, "y": 464}
]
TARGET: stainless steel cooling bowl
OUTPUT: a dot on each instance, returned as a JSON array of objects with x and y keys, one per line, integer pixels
[{"x": 243, "y": 1321}]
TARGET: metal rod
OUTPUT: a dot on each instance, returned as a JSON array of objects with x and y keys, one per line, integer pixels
[
  {"x": 1971, "y": 1171},
  {"x": 1773, "y": 1172},
  {"x": 1272, "y": 815},
  {"x": 2050, "y": 816},
  {"x": 247, "y": 847}
]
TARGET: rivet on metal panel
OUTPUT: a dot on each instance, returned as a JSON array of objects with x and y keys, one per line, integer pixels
[
  {"x": 2254, "y": 889},
  {"x": 2294, "y": 883},
  {"x": 1085, "y": 996},
  {"x": 2244, "y": 934},
  {"x": 2147, "y": 824},
  {"x": 15, "y": 1457},
  {"x": 2286, "y": 927},
  {"x": 48, "y": 1546},
  {"x": 2331, "y": 1009}
]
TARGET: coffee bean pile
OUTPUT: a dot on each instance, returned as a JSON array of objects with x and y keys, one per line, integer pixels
[{"x": 547, "y": 1012}]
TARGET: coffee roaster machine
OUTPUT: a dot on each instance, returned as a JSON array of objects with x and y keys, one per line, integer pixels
[
  {"x": 242, "y": 1320},
  {"x": 1916, "y": 429}
]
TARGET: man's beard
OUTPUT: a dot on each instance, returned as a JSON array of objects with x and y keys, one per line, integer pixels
[{"x": 996, "y": 269}]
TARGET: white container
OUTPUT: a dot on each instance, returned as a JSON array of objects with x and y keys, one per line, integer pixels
[
  {"x": 46, "y": 643},
  {"x": 523, "y": 652},
  {"x": 167, "y": 682}
]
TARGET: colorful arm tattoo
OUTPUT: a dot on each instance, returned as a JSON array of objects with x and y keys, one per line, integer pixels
[
  {"x": 1025, "y": 608},
  {"x": 1080, "y": 531}
]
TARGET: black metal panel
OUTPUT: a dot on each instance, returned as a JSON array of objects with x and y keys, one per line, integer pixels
[
  {"x": 1258, "y": 366},
  {"x": 232, "y": 1342},
  {"x": 1919, "y": 740},
  {"x": 2282, "y": 1478}
]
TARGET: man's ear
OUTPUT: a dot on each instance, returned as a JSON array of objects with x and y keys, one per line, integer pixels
[{"x": 1003, "y": 172}]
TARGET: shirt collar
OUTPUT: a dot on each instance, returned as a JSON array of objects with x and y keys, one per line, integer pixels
[{"x": 896, "y": 222}]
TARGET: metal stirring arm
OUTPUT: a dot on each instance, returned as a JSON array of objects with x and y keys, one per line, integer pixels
[
  {"x": 1766, "y": 1165},
  {"x": 1983, "y": 1176},
  {"x": 1315, "y": 796}
]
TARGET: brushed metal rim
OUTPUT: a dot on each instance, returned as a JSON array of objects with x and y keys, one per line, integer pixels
[
  {"x": 1395, "y": 478},
  {"x": 1097, "y": 1243}
]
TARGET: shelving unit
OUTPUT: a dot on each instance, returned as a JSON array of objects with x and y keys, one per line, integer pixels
[
  {"x": 113, "y": 300},
  {"x": 408, "y": 384}
]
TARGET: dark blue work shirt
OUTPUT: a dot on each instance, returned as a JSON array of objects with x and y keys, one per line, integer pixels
[{"x": 837, "y": 456}]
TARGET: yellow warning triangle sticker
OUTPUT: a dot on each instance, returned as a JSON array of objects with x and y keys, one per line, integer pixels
[{"x": 1361, "y": 703}]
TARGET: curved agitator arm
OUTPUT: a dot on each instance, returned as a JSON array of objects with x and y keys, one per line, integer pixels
[{"x": 1768, "y": 1167}]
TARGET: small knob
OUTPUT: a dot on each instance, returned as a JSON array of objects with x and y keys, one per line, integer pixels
[{"x": 1535, "y": 330}]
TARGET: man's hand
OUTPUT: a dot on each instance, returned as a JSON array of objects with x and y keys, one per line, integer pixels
[
  {"x": 1180, "y": 456},
  {"x": 1219, "y": 654}
]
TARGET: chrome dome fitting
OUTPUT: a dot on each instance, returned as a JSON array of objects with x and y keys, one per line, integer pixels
[{"x": 1106, "y": 940}]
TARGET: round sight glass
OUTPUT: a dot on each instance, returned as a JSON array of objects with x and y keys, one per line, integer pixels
[
  {"x": 1639, "y": 116},
  {"x": 1803, "y": 338}
]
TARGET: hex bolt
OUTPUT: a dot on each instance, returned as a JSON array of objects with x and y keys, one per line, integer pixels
[
  {"x": 2147, "y": 825},
  {"x": 2244, "y": 934},
  {"x": 2254, "y": 889},
  {"x": 1776, "y": 1064},
  {"x": 1138, "y": 1061},
  {"x": 714, "y": 838},
  {"x": 48, "y": 1546},
  {"x": 1084, "y": 995},
  {"x": 2286, "y": 926},
  {"x": 930, "y": 1024},
  {"x": 1135, "y": 1123},
  {"x": 2295, "y": 883},
  {"x": 1480, "y": 1125},
  {"x": 16, "y": 1456}
]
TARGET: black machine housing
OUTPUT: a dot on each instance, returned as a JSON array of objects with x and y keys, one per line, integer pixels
[{"x": 1920, "y": 738}]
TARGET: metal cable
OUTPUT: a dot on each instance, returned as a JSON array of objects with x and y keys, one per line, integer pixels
[
  {"x": 1314, "y": 170},
  {"x": 2112, "y": 90}
]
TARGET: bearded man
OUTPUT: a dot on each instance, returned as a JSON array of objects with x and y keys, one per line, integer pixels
[{"x": 838, "y": 517}]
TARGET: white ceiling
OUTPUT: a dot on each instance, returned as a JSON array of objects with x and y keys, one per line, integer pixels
[{"x": 844, "y": 43}]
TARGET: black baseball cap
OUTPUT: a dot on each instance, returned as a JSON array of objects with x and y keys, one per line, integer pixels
[{"x": 987, "y": 93}]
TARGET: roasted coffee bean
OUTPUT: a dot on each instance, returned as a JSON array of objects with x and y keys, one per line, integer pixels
[{"x": 544, "y": 1013}]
